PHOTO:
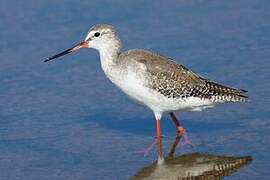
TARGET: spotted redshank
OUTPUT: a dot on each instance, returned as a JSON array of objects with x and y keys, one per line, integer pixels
[{"x": 154, "y": 80}]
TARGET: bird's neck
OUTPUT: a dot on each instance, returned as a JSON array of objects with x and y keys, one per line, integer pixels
[{"x": 109, "y": 60}]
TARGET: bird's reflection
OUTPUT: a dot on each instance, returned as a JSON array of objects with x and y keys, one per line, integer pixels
[{"x": 192, "y": 166}]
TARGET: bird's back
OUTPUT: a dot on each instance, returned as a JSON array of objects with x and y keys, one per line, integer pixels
[{"x": 174, "y": 80}]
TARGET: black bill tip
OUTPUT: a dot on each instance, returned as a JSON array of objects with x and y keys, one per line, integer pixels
[
  {"x": 48, "y": 59},
  {"x": 80, "y": 45},
  {"x": 59, "y": 55}
]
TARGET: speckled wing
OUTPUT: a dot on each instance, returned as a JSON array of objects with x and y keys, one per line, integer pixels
[{"x": 176, "y": 81}]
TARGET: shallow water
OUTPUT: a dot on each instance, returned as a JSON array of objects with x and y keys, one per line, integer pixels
[{"x": 65, "y": 120}]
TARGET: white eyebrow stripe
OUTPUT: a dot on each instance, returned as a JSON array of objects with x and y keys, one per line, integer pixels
[{"x": 91, "y": 33}]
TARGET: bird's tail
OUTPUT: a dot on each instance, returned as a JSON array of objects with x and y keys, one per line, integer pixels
[{"x": 228, "y": 94}]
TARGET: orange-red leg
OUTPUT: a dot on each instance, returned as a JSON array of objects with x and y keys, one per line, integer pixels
[
  {"x": 159, "y": 139},
  {"x": 174, "y": 145},
  {"x": 180, "y": 129}
]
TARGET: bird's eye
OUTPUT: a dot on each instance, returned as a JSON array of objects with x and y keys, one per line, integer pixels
[{"x": 96, "y": 34}]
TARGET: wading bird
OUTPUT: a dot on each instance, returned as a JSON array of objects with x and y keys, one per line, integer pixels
[{"x": 154, "y": 80}]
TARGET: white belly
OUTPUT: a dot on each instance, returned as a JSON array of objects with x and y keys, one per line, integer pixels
[{"x": 135, "y": 88}]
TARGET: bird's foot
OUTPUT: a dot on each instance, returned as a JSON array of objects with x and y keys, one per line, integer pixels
[
  {"x": 147, "y": 150},
  {"x": 184, "y": 138},
  {"x": 186, "y": 141}
]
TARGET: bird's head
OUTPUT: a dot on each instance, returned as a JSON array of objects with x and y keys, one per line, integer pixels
[{"x": 102, "y": 37}]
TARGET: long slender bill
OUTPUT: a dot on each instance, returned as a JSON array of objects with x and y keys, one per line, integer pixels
[{"x": 78, "y": 46}]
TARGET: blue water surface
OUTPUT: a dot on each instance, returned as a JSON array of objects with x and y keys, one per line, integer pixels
[{"x": 65, "y": 120}]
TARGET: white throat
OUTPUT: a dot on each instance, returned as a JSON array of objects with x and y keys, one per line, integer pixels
[{"x": 108, "y": 58}]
